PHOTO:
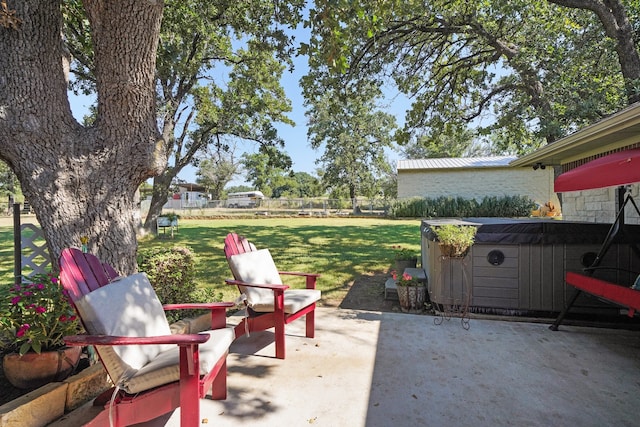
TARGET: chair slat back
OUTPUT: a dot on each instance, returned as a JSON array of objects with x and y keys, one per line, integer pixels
[
  {"x": 81, "y": 273},
  {"x": 235, "y": 244}
]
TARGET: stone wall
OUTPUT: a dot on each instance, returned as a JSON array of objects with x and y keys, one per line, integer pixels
[
  {"x": 598, "y": 205},
  {"x": 478, "y": 183}
]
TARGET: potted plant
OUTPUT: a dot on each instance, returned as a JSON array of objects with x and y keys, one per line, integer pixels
[
  {"x": 455, "y": 240},
  {"x": 35, "y": 316},
  {"x": 404, "y": 258},
  {"x": 412, "y": 293}
]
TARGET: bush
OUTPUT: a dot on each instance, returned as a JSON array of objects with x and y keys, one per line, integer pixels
[
  {"x": 172, "y": 272},
  {"x": 445, "y": 207}
]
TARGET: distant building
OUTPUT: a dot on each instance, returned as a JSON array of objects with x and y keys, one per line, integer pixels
[
  {"x": 474, "y": 178},
  {"x": 188, "y": 196}
]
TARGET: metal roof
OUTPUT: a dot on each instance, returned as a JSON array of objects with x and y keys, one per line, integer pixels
[{"x": 456, "y": 163}]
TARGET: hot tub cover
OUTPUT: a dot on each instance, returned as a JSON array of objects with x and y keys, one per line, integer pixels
[{"x": 534, "y": 231}]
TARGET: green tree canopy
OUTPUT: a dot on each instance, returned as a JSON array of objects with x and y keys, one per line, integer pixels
[
  {"x": 346, "y": 123},
  {"x": 519, "y": 73},
  {"x": 218, "y": 73}
]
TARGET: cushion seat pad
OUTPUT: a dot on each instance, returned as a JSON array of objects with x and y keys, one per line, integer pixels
[
  {"x": 294, "y": 300},
  {"x": 130, "y": 307}
]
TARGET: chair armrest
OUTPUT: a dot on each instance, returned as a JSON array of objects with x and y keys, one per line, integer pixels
[
  {"x": 179, "y": 339},
  {"x": 199, "y": 306},
  {"x": 255, "y": 285},
  {"x": 298, "y": 273},
  {"x": 310, "y": 277},
  {"x": 218, "y": 311}
]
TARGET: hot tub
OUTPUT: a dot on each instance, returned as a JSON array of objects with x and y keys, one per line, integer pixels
[{"x": 518, "y": 266}]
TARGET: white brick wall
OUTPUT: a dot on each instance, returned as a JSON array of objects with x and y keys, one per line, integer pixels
[
  {"x": 478, "y": 183},
  {"x": 598, "y": 205}
]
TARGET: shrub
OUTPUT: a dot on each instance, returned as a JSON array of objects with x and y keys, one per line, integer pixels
[
  {"x": 172, "y": 272},
  {"x": 442, "y": 207}
]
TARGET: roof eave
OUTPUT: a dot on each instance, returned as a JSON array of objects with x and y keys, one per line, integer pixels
[{"x": 615, "y": 131}]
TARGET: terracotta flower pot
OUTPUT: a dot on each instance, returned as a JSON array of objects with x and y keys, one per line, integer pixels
[{"x": 35, "y": 370}]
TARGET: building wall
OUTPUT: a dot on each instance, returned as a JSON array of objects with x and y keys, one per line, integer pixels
[
  {"x": 478, "y": 183},
  {"x": 598, "y": 205}
]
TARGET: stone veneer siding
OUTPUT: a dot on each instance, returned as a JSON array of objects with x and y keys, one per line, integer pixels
[
  {"x": 478, "y": 183},
  {"x": 598, "y": 205}
]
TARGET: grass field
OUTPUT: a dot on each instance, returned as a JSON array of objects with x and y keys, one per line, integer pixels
[{"x": 340, "y": 249}]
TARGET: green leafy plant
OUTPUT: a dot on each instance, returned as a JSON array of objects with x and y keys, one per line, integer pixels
[
  {"x": 171, "y": 271},
  {"x": 405, "y": 280},
  {"x": 400, "y": 253},
  {"x": 455, "y": 240},
  {"x": 442, "y": 207},
  {"x": 36, "y": 315}
]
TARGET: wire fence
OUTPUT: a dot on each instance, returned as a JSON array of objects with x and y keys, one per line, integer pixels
[{"x": 300, "y": 207}]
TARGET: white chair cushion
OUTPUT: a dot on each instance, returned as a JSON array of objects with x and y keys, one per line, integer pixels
[
  {"x": 130, "y": 307},
  {"x": 165, "y": 368},
  {"x": 256, "y": 267},
  {"x": 294, "y": 300},
  {"x": 127, "y": 307}
]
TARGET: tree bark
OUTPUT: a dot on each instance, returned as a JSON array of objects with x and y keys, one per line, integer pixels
[
  {"x": 161, "y": 185},
  {"x": 81, "y": 181}
]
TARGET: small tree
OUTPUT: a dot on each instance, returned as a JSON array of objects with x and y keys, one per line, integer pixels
[{"x": 345, "y": 121}]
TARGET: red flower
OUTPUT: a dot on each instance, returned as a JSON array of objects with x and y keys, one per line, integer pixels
[
  {"x": 22, "y": 330},
  {"x": 15, "y": 300},
  {"x": 40, "y": 309}
]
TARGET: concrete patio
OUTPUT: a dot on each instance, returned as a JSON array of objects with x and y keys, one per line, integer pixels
[{"x": 373, "y": 369}]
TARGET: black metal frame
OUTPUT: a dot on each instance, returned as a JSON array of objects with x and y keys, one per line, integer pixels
[{"x": 616, "y": 228}]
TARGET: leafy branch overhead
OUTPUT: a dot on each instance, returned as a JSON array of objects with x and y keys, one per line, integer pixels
[
  {"x": 8, "y": 18},
  {"x": 520, "y": 73}
]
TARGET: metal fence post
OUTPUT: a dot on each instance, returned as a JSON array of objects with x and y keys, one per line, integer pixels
[{"x": 17, "y": 245}]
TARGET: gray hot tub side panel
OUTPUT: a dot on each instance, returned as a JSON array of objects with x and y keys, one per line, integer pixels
[{"x": 531, "y": 277}]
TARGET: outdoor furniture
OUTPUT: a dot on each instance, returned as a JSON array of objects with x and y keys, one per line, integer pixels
[
  {"x": 270, "y": 303},
  {"x": 154, "y": 372},
  {"x": 615, "y": 169},
  {"x": 164, "y": 222},
  {"x": 621, "y": 295}
]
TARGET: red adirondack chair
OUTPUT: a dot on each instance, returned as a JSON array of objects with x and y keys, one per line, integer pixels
[
  {"x": 270, "y": 303},
  {"x": 154, "y": 372}
]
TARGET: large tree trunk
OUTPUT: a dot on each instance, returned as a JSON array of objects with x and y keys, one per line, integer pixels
[
  {"x": 81, "y": 181},
  {"x": 161, "y": 185}
]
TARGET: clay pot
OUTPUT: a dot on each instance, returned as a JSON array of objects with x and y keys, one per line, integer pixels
[{"x": 35, "y": 370}]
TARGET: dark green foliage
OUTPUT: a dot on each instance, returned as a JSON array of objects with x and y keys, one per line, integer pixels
[
  {"x": 445, "y": 207},
  {"x": 172, "y": 273}
]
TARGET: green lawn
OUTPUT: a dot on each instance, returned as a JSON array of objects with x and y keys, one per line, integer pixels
[{"x": 339, "y": 248}]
